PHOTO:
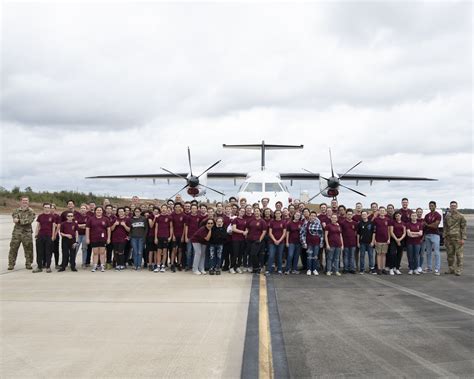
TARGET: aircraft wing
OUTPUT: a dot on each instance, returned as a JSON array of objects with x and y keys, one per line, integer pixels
[
  {"x": 227, "y": 175},
  {"x": 315, "y": 176},
  {"x": 138, "y": 176}
]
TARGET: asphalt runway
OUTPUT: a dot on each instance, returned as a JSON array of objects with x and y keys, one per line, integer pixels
[{"x": 141, "y": 324}]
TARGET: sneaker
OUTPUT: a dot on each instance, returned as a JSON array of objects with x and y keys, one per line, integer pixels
[
  {"x": 287, "y": 273},
  {"x": 231, "y": 271},
  {"x": 295, "y": 272},
  {"x": 29, "y": 267},
  {"x": 157, "y": 269},
  {"x": 197, "y": 272},
  {"x": 449, "y": 272},
  {"x": 410, "y": 272},
  {"x": 373, "y": 271},
  {"x": 308, "y": 272},
  {"x": 83, "y": 265},
  {"x": 436, "y": 272},
  {"x": 267, "y": 273},
  {"x": 392, "y": 272},
  {"x": 37, "y": 269},
  {"x": 11, "y": 267},
  {"x": 426, "y": 269},
  {"x": 379, "y": 272},
  {"x": 384, "y": 272},
  {"x": 315, "y": 272},
  {"x": 61, "y": 269},
  {"x": 398, "y": 272},
  {"x": 180, "y": 268},
  {"x": 102, "y": 268},
  {"x": 173, "y": 268},
  {"x": 74, "y": 269},
  {"x": 457, "y": 273},
  {"x": 239, "y": 271},
  {"x": 108, "y": 266},
  {"x": 162, "y": 269},
  {"x": 117, "y": 268},
  {"x": 94, "y": 268},
  {"x": 419, "y": 270},
  {"x": 361, "y": 272},
  {"x": 338, "y": 273},
  {"x": 328, "y": 273},
  {"x": 204, "y": 272},
  {"x": 211, "y": 272},
  {"x": 48, "y": 270},
  {"x": 280, "y": 273},
  {"x": 218, "y": 272}
]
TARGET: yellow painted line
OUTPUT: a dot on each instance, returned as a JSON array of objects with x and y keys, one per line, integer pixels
[{"x": 265, "y": 360}]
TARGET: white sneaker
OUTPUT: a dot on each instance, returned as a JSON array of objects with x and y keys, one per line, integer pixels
[
  {"x": 231, "y": 271},
  {"x": 197, "y": 272},
  {"x": 419, "y": 270},
  {"x": 392, "y": 272},
  {"x": 204, "y": 272},
  {"x": 308, "y": 272},
  {"x": 102, "y": 268},
  {"x": 398, "y": 272},
  {"x": 436, "y": 272},
  {"x": 328, "y": 273},
  {"x": 94, "y": 268},
  {"x": 162, "y": 269},
  {"x": 315, "y": 272},
  {"x": 410, "y": 272},
  {"x": 157, "y": 269},
  {"x": 239, "y": 271}
]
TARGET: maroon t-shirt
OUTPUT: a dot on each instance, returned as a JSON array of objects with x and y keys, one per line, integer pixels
[
  {"x": 111, "y": 218},
  {"x": 69, "y": 228},
  {"x": 90, "y": 213},
  {"x": 64, "y": 215},
  {"x": 398, "y": 228},
  {"x": 324, "y": 219},
  {"x": 163, "y": 223},
  {"x": 357, "y": 218},
  {"x": 240, "y": 224},
  {"x": 81, "y": 219},
  {"x": 45, "y": 222},
  {"x": 98, "y": 228},
  {"x": 248, "y": 217},
  {"x": 405, "y": 214},
  {"x": 277, "y": 228},
  {"x": 414, "y": 227},
  {"x": 429, "y": 219},
  {"x": 293, "y": 228},
  {"x": 151, "y": 225},
  {"x": 349, "y": 232},
  {"x": 198, "y": 236},
  {"x": 255, "y": 227},
  {"x": 192, "y": 221},
  {"x": 381, "y": 229},
  {"x": 119, "y": 234},
  {"x": 57, "y": 218},
  {"x": 334, "y": 235},
  {"x": 178, "y": 224}
]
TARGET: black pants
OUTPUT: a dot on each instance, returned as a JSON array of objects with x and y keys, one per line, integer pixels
[
  {"x": 394, "y": 255},
  {"x": 43, "y": 251},
  {"x": 109, "y": 248},
  {"x": 89, "y": 254},
  {"x": 119, "y": 253},
  {"x": 304, "y": 259},
  {"x": 255, "y": 253},
  {"x": 226, "y": 253},
  {"x": 54, "y": 251},
  {"x": 69, "y": 253},
  {"x": 320, "y": 257},
  {"x": 238, "y": 248}
]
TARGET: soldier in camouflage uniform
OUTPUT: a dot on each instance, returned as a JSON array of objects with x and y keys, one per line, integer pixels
[
  {"x": 23, "y": 217},
  {"x": 454, "y": 232}
]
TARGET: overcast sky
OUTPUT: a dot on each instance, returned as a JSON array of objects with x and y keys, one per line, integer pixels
[{"x": 124, "y": 88}]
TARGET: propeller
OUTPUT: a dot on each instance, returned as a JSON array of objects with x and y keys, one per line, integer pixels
[
  {"x": 334, "y": 182},
  {"x": 192, "y": 181}
]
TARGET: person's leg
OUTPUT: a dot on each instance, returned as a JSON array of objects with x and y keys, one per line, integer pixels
[
  {"x": 234, "y": 254},
  {"x": 352, "y": 266},
  {"x": 212, "y": 257},
  {"x": 197, "y": 256},
  {"x": 89, "y": 255},
  {"x": 450, "y": 249},
  {"x": 219, "y": 250},
  {"x": 95, "y": 258},
  {"x": 289, "y": 258},
  {"x": 428, "y": 246},
  {"x": 459, "y": 254},
  {"x": 304, "y": 259},
  {"x": 345, "y": 255},
  {"x": 109, "y": 249},
  {"x": 337, "y": 254},
  {"x": 279, "y": 256},
  {"x": 254, "y": 253},
  {"x": 72, "y": 256},
  {"x": 65, "y": 251},
  {"x": 362, "y": 250},
  {"x": 271, "y": 258},
  {"x": 296, "y": 256},
  {"x": 309, "y": 258},
  {"x": 399, "y": 257},
  {"x": 316, "y": 266},
  {"x": 27, "y": 241},
  {"x": 202, "y": 260},
  {"x": 435, "y": 241},
  {"x": 410, "y": 256},
  {"x": 40, "y": 251},
  {"x": 329, "y": 259}
]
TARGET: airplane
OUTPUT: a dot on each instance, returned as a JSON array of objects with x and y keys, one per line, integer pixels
[{"x": 264, "y": 183}]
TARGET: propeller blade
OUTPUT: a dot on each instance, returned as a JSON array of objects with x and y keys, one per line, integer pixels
[
  {"x": 353, "y": 190},
  {"x": 310, "y": 172},
  {"x": 189, "y": 160},
  {"x": 330, "y": 159},
  {"x": 172, "y": 173},
  {"x": 212, "y": 189},
  {"x": 319, "y": 193},
  {"x": 353, "y": 167},
  {"x": 171, "y": 197},
  {"x": 209, "y": 168}
]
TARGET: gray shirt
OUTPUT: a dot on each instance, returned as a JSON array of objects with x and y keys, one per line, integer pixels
[{"x": 138, "y": 227}]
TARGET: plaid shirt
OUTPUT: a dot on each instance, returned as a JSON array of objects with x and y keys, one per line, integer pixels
[{"x": 314, "y": 228}]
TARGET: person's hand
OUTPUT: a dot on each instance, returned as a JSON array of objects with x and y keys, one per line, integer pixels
[
  {"x": 53, "y": 238},
  {"x": 398, "y": 243},
  {"x": 245, "y": 233},
  {"x": 36, "y": 235},
  {"x": 174, "y": 239},
  {"x": 69, "y": 236},
  {"x": 186, "y": 240},
  {"x": 156, "y": 241},
  {"x": 16, "y": 220},
  {"x": 461, "y": 242},
  {"x": 117, "y": 223},
  {"x": 287, "y": 245},
  {"x": 108, "y": 241},
  {"x": 88, "y": 241}
]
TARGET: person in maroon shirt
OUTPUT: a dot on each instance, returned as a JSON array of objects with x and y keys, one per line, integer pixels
[
  {"x": 45, "y": 228},
  {"x": 334, "y": 206},
  {"x": 150, "y": 244},
  {"x": 163, "y": 236},
  {"x": 81, "y": 220},
  {"x": 276, "y": 234},
  {"x": 200, "y": 240},
  {"x": 405, "y": 211},
  {"x": 257, "y": 228},
  {"x": 239, "y": 232},
  {"x": 432, "y": 238},
  {"x": 56, "y": 239},
  {"x": 395, "y": 251},
  {"x": 191, "y": 225},
  {"x": 179, "y": 219},
  {"x": 390, "y": 211},
  {"x": 119, "y": 230},
  {"x": 414, "y": 239},
  {"x": 381, "y": 239},
  {"x": 293, "y": 243},
  {"x": 334, "y": 245},
  {"x": 226, "y": 253},
  {"x": 349, "y": 236},
  {"x": 357, "y": 216},
  {"x": 325, "y": 219},
  {"x": 341, "y": 213},
  {"x": 69, "y": 234},
  {"x": 374, "y": 211},
  {"x": 98, "y": 234},
  {"x": 109, "y": 247}
]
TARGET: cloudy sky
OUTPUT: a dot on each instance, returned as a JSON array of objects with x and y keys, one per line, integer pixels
[{"x": 96, "y": 89}]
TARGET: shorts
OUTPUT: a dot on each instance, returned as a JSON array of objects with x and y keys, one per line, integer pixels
[
  {"x": 150, "y": 244},
  {"x": 98, "y": 244},
  {"x": 162, "y": 243},
  {"x": 381, "y": 248},
  {"x": 176, "y": 243},
  {"x": 119, "y": 247}
]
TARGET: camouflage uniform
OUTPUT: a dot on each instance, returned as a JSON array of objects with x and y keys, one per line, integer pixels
[
  {"x": 22, "y": 234},
  {"x": 454, "y": 230}
]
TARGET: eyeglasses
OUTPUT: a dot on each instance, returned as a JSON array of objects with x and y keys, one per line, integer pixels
[
  {"x": 210, "y": 223},
  {"x": 70, "y": 216}
]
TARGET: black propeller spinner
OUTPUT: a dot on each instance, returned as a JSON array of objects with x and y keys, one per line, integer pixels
[
  {"x": 192, "y": 181},
  {"x": 334, "y": 181}
]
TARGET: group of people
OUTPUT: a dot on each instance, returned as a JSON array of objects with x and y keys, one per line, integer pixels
[{"x": 238, "y": 237}]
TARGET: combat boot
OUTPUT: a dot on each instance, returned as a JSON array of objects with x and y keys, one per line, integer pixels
[
  {"x": 450, "y": 271},
  {"x": 11, "y": 267},
  {"x": 29, "y": 267},
  {"x": 37, "y": 269}
]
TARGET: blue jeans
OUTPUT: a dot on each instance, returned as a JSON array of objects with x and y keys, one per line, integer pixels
[
  {"x": 349, "y": 258},
  {"x": 137, "y": 246},
  {"x": 81, "y": 241},
  {"x": 432, "y": 242},
  {"x": 366, "y": 247},
  {"x": 189, "y": 254},
  {"x": 272, "y": 251},
  {"x": 312, "y": 257},
  {"x": 215, "y": 256},
  {"x": 413, "y": 252},
  {"x": 332, "y": 259},
  {"x": 294, "y": 251}
]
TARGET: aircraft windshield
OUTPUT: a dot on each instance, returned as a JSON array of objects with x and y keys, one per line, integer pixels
[
  {"x": 253, "y": 187},
  {"x": 273, "y": 187}
]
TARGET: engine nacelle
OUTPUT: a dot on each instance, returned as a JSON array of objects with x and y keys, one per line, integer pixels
[{"x": 196, "y": 191}]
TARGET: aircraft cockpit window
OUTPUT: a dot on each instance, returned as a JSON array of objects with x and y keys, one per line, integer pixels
[
  {"x": 253, "y": 187},
  {"x": 273, "y": 187}
]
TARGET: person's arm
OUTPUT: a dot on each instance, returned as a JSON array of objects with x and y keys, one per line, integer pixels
[
  {"x": 390, "y": 228},
  {"x": 358, "y": 240},
  {"x": 262, "y": 236},
  {"x": 283, "y": 237},
  {"x": 65, "y": 235},
  {"x": 77, "y": 236},
  {"x": 342, "y": 241},
  {"x": 326, "y": 239},
  {"x": 272, "y": 237},
  {"x": 373, "y": 238},
  {"x": 185, "y": 233},
  {"x": 30, "y": 219},
  {"x": 15, "y": 217},
  {"x": 287, "y": 236},
  {"x": 53, "y": 232},
  {"x": 156, "y": 233},
  {"x": 109, "y": 233},
  {"x": 88, "y": 233},
  {"x": 37, "y": 229},
  {"x": 114, "y": 225},
  {"x": 463, "y": 227},
  {"x": 171, "y": 231},
  {"x": 209, "y": 234}
]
